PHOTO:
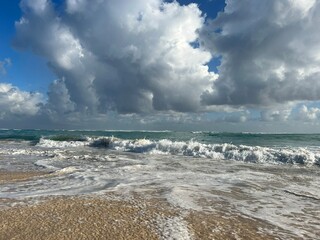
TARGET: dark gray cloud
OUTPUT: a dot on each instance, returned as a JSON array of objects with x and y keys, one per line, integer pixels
[{"x": 270, "y": 52}]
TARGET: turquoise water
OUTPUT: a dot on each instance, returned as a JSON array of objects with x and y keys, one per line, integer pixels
[
  {"x": 248, "y": 147},
  {"x": 250, "y": 139}
]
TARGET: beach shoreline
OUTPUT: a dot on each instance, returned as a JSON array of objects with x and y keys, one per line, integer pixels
[
  {"x": 114, "y": 216},
  {"x": 166, "y": 187}
]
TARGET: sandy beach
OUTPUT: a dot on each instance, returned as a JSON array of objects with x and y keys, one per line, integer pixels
[
  {"x": 19, "y": 176},
  {"x": 111, "y": 216}
]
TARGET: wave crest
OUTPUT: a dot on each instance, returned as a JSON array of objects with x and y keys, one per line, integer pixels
[{"x": 254, "y": 154}]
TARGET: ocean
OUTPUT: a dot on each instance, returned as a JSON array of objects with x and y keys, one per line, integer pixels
[{"x": 270, "y": 177}]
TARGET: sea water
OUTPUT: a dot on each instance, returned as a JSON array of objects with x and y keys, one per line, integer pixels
[{"x": 272, "y": 177}]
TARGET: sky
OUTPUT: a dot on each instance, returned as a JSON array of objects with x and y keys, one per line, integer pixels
[{"x": 209, "y": 65}]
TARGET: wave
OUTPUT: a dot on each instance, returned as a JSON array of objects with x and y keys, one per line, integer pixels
[
  {"x": 143, "y": 131},
  {"x": 17, "y": 137},
  {"x": 49, "y": 143},
  {"x": 226, "y": 151},
  {"x": 67, "y": 138}
]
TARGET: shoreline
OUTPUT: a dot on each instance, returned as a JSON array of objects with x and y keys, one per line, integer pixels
[{"x": 112, "y": 216}]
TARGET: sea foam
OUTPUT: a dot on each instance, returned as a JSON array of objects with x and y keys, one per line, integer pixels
[{"x": 226, "y": 151}]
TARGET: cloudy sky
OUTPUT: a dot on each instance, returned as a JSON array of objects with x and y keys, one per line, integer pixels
[{"x": 211, "y": 65}]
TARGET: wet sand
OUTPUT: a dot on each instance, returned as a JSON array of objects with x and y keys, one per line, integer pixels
[
  {"x": 19, "y": 176},
  {"x": 98, "y": 218},
  {"x": 70, "y": 218},
  {"x": 140, "y": 216}
]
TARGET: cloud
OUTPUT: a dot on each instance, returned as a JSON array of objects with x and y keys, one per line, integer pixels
[
  {"x": 144, "y": 64},
  {"x": 270, "y": 52},
  {"x": 270, "y": 115},
  {"x": 308, "y": 113},
  {"x": 14, "y": 102},
  {"x": 237, "y": 117},
  {"x": 125, "y": 56},
  {"x": 59, "y": 98},
  {"x": 4, "y": 64}
]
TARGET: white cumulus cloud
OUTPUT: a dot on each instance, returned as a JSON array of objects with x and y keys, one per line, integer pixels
[
  {"x": 125, "y": 56},
  {"x": 270, "y": 52},
  {"x": 16, "y": 102},
  {"x": 308, "y": 113}
]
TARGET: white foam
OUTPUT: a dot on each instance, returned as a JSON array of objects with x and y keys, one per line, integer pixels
[
  {"x": 174, "y": 228},
  {"x": 66, "y": 170},
  {"x": 61, "y": 144},
  {"x": 46, "y": 164},
  {"x": 254, "y": 154},
  {"x": 307, "y": 156},
  {"x": 182, "y": 198}
]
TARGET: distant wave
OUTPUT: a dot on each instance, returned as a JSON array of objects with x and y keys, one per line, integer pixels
[
  {"x": 68, "y": 138},
  {"x": 226, "y": 151}
]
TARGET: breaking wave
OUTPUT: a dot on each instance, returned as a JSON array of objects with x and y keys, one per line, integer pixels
[{"x": 254, "y": 154}]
